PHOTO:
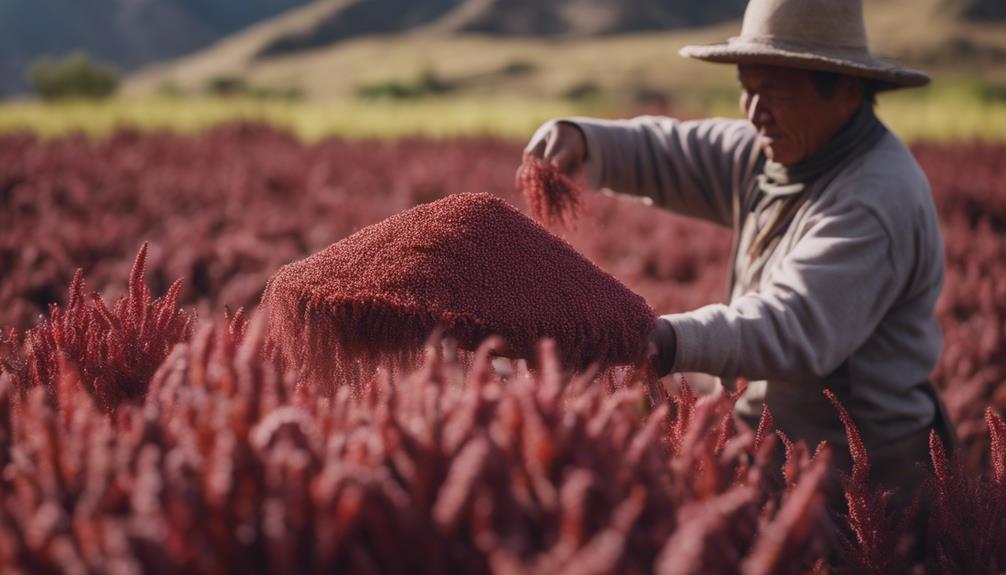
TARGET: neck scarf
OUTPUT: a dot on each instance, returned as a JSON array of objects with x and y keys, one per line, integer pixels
[{"x": 782, "y": 186}]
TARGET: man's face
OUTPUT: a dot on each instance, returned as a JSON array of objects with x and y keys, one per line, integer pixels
[{"x": 792, "y": 118}]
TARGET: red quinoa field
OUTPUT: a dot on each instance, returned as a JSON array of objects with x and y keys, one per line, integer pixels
[{"x": 152, "y": 419}]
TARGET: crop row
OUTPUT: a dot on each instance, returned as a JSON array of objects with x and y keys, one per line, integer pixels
[
  {"x": 224, "y": 211},
  {"x": 123, "y": 451},
  {"x": 221, "y": 461}
]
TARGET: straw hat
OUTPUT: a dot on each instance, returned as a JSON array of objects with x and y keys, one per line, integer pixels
[{"x": 826, "y": 35}]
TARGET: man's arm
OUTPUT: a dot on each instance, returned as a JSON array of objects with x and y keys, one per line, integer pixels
[
  {"x": 821, "y": 305},
  {"x": 693, "y": 168}
]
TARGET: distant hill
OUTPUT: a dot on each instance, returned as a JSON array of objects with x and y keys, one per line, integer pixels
[
  {"x": 555, "y": 48},
  {"x": 586, "y": 17},
  {"x": 131, "y": 33},
  {"x": 200, "y": 39},
  {"x": 516, "y": 18},
  {"x": 338, "y": 20},
  {"x": 127, "y": 33}
]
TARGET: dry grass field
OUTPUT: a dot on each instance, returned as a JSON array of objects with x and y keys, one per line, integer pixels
[{"x": 948, "y": 111}]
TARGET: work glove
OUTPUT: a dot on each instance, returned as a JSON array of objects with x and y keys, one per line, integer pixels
[
  {"x": 561, "y": 143},
  {"x": 662, "y": 347}
]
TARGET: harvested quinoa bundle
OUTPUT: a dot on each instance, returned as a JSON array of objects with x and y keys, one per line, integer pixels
[
  {"x": 552, "y": 197},
  {"x": 469, "y": 263}
]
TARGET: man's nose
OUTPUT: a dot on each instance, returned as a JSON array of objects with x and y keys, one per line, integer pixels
[{"x": 757, "y": 112}]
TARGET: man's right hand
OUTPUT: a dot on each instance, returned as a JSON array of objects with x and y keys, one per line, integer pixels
[
  {"x": 663, "y": 347},
  {"x": 561, "y": 143}
]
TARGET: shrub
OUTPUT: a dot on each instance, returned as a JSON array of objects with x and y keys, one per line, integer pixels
[
  {"x": 76, "y": 76},
  {"x": 518, "y": 68},
  {"x": 226, "y": 86},
  {"x": 585, "y": 90},
  {"x": 427, "y": 83}
]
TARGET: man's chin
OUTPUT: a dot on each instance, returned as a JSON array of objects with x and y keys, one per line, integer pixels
[{"x": 778, "y": 155}]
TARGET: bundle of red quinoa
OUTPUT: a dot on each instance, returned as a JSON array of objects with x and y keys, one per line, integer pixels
[
  {"x": 470, "y": 264},
  {"x": 552, "y": 196}
]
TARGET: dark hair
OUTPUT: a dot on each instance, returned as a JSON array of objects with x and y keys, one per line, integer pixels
[{"x": 826, "y": 84}]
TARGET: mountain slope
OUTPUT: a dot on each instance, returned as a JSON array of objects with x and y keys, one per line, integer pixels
[
  {"x": 227, "y": 37},
  {"x": 127, "y": 33},
  {"x": 358, "y": 18},
  {"x": 585, "y": 17},
  {"x": 293, "y": 49},
  {"x": 513, "y": 18},
  {"x": 562, "y": 46}
]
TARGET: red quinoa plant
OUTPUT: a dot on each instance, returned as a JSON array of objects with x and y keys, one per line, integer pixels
[
  {"x": 875, "y": 539},
  {"x": 967, "y": 524},
  {"x": 94, "y": 197},
  {"x": 177, "y": 480},
  {"x": 229, "y": 465},
  {"x": 115, "y": 351}
]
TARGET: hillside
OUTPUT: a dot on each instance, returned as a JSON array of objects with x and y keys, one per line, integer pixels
[
  {"x": 127, "y": 33},
  {"x": 263, "y": 40},
  {"x": 511, "y": 18},
  {"x": 566, "y": 48},
  {"x": 132, "y": 33},
  {"x": 584, "y": 17},
  {"x": 339, "y": 20}
]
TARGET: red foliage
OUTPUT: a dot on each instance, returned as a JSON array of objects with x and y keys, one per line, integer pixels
[
  {"x": 116, "y": 350},
  {"x": 766, "y": 425},
  {"x": 228, "y": 466},
  {"x": 967, "y": 525},
  {"x": 684, "y": 403},
  {"x": 969, "y": 186},
  {"x": 469, "y": 263},
  {"x": 552, "y": 197},
  {"x": 795, "y": 523},
  {"x": 997, "y": 444},
  {"x": 224, "y": 210},
  {"x": 881, "y": 541},
  {"x": 235, "y": 204}
]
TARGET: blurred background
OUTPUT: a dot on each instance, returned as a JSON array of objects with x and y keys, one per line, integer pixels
[{"x": 389, "y": 68}]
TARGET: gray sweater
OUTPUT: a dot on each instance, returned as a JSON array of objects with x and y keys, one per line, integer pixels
[{"x": 845, "y": 300}]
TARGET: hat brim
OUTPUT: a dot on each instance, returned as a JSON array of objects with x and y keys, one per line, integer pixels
[{"x": 887, "y": 75}]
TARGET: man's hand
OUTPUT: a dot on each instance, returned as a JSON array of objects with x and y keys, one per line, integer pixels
[
  {"x": 663, "y": 347},
  {"x": 561, "y": 143}
]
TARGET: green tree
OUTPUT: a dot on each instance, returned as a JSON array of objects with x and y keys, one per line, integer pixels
[{"x": 75, "y": 76}]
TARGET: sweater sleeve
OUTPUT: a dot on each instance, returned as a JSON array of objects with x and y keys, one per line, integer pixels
[
  {"x": 693, "y": 167},
  {"x": 821, "y": 304}
]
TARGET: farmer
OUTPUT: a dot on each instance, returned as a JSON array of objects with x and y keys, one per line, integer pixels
[{"x": 837, "y": 257}]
